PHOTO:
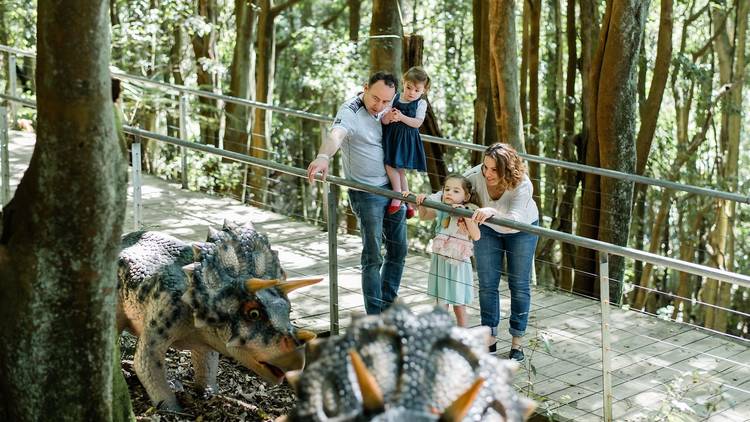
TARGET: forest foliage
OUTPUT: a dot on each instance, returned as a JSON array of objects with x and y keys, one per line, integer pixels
[{"x": 319, "y": 57}]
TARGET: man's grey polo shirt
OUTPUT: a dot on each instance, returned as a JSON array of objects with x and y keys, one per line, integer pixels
[{"x": 362, "y": 148}]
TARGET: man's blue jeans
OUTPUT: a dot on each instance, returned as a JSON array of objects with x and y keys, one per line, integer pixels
[
  {"x": 518, "y": 251},
  {"x": 381, "y": 278}
]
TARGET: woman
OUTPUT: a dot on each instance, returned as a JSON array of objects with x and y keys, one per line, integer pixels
[{"x": 504, "y": 190}]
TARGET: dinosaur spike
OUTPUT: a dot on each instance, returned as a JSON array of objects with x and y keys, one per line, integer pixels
[
  {"x": 295, "y": 284},
  {"x": 189, "y": 269},
  {"x": 229, "y": 225},
  {"x": 254, "y": 284},
  {"x": 197, "y": 250},
  {"x": 306, "y": 335},
  {"x": 293, "y": 378},
  {"x": 212, "y": 233},
  {"x": 372, "y": 397},
  {"x": 460, "y": 407},
  {"x": 198, "y": 322}
]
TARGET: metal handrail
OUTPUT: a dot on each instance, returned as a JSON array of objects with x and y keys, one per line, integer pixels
[
  {"x": 715, "y": 193},
  {"x": 689, "y": 267}
]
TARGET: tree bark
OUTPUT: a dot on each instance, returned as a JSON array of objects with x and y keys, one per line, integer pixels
[
  {"x": 264, "y": 79},
  {"x": 485, "y": 128},
  {"x": 731, "y": 48},
  {"x": 354, "y": 19},
  {"x": 532, "y": 141},
  {"x": 61, "y": 231},
  {"x": 204, "y": 47},
  {"x": 436, "y": 168},
  {"x": 504, "y": 73},
  {"x": 241, "y": 75},
  {"x": 386, "y": 35}
]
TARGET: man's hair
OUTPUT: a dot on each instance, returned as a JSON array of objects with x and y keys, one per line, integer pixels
[{"x": 388, "y": 78}]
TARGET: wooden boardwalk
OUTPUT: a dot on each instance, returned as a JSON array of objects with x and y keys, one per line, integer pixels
[{"x": 655, "y": 362}]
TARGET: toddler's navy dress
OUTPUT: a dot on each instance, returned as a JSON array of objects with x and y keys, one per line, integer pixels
[{"x": 402, "y": 144}]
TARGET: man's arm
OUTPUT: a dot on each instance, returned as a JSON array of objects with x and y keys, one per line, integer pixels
[{"x": 331, "y": 144}]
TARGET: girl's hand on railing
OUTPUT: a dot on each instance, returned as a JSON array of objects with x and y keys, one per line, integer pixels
[{"x": 420, "y": 198}]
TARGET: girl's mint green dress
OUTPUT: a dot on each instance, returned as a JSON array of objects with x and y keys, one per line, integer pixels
[{"x": 450, "y": 279}]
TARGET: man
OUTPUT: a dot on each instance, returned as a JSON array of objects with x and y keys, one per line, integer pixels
[{"x": 358, "y": 132}]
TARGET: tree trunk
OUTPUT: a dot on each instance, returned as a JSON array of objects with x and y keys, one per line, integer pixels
[
  {"x": 264, "y": 79},
  {"x": 720, "y": 236},
  {"x": 585, "y": 261},
  {"x": 436, "y": 168},
  {"x": 241, "y": 75},
  {"x": 354, "y": 19},
  {"x": 485, "y": 128},
  {"x": 61, "y": 231},
  {"x": 532, "y": 141},
  {"x": 204, "y": 47},
  {"x": 504, "y": 73},
  {"x": 386, "y": 35}
]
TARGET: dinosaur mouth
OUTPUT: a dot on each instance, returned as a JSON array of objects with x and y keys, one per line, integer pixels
[{"x": 275, "y": 370}]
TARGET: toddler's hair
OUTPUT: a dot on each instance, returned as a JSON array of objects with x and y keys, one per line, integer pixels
[
  {"x": 471, "y": 196},
  {"x": 418, "y": 75}
]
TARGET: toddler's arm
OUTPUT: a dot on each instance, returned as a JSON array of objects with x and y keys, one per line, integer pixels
[
  {"x": 424, "y": 212},
  {"x": 414, "y": 122}
]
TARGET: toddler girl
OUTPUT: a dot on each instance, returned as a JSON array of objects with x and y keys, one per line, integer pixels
[
  {"x": 450, "y": 277},
  {"x": 402, "y": 145}
]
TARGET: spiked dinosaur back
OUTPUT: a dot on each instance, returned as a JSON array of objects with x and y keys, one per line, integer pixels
[
  {"x": 227, "y": 295},
  {"x": 402, "y": 367}
]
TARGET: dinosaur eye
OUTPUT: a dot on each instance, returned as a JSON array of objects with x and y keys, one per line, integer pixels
[{"x": 251, "y": 311}]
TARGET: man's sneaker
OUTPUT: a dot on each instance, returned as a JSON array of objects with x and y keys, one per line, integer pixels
[
  {"x": 516, "y": 355},
  {"x": 493, "y": 348}
]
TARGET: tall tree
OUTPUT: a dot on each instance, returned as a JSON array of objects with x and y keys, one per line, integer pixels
[
  {"x": 611, "y": 133},
  {"x": 386, "y": 33},
  {"x": 504, "y": 73},
  {"x": 61, "y": 231},
  {"x": 204, "y": 47},
  {"x": 485, "y": 127},
  {"x": 730, "y": 46},
  {"x": 264, "y": 80}
]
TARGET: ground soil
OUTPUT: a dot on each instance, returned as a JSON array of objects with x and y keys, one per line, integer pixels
[{"x": 242, "y": 395}]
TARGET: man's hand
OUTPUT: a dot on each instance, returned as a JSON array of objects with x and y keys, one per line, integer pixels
[{"x": 318, "y": 165}]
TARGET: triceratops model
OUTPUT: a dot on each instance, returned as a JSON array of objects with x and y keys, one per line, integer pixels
[
  {"x": 401, "y": 367},
  {"x": 227, "y": 295}
]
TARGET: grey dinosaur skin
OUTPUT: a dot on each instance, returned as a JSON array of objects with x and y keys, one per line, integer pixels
[
  {"x": 174, "y": 294},
  {"x": 421, "y": 364}
]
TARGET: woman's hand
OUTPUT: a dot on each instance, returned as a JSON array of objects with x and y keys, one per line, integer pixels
[{"x": 482, "y": 214}]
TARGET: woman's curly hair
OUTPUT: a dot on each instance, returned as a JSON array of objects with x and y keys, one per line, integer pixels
[{"x": 510, "y": 166}]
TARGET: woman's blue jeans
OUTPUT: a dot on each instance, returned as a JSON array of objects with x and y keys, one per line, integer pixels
[
  {"x": 381, "y": 278},
  {"x": 517, "y": 249}
]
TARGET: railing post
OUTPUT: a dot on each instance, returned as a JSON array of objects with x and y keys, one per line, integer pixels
[
  {"x": 333, "y": 281},
  {"x": 606, "y": 368},
  {"x": 12, "y": 87},
  {"x": 136, "y": 178},
  {"x": 4, "y": 158},
  {"x": 183, "y": 136}
]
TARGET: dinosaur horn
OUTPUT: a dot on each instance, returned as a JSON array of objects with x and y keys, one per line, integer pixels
[
  {"x": 372, "y": 397},
  {"x": 529, "y": 406},
  {"x": 297, "y": 283},
  {"x": 282, "y": 418},
  {"x": 305, "y": 335},
  {"x": 254, "y": 284},
  {"x": 460, "y": 407}
]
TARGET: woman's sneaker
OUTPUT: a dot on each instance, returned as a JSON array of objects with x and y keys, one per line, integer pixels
[{"x": 516, "y": 355}]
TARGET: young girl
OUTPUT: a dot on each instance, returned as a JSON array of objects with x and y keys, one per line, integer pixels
[
  {"x": 402, "y": 144},
  {"x": 450, "y": 278}
]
